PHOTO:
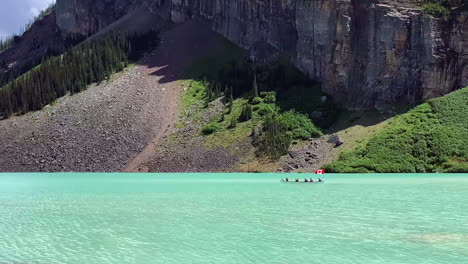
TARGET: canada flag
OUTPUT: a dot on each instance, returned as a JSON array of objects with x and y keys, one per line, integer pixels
[{"x": 320, "y": 172}]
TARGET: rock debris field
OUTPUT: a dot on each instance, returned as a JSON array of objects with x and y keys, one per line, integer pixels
[{"x": 99, "y": 129}]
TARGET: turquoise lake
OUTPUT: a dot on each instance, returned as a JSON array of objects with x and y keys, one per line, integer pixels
[{"x": 212, "y": 218}]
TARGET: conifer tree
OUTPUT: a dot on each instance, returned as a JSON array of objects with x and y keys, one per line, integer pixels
[
  {"x": 255, "y": 86},
  {"x": 231, "y": 102},
  {"x": 233, "y": 122},
  {"x": 246, "y": 113}
]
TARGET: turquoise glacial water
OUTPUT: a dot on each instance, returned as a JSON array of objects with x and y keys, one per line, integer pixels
[{"x": 76, "y": 218}]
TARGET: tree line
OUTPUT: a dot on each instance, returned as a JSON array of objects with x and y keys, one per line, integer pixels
[
  {"x": 72, "y": 72},
  {"x": 9, "y": 74}
]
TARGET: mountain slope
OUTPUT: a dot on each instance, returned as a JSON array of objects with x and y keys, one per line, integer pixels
[
  {"x": 432, "y": 137},
  {"x": 114, "y": 126}
]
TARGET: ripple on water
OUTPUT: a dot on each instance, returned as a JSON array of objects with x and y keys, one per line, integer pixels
[{"x": 235, "y": 221}]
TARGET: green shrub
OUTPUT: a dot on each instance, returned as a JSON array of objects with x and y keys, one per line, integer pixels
[
  {"x": 268, "y": 97},
  {"x": 457, "y": 168},
  {"x": 210, "y": 128},
  {"x": 256, "y": 100},
  {"x": 301, "y": 126},
  {"x": 435, "y": 10},
  {"x": 265, "y": 109},
  {"x": 439, "y": 8},
  {"x": 300, "y": 133}
]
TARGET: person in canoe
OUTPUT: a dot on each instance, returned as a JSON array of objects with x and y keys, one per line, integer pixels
[
  {"x": 311, "y": 180},
  {"x": 287, "y": 179},
  {"x": 297, "y": 180},
  {"x": 306, "y": 180},
  {"x": 320, "y": 180}
]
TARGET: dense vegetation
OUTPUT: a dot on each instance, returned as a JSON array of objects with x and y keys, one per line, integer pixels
[
  {"x": 432, "y": 137},
  {"x": 274, "y": 141},
  {"x": 275, "y": 99},
  {"x": 9, "y": 74},
  {"x": 90, "y": 62},
  {"x": 292, "y": 89},
  {"x": 280, "y": 129}
]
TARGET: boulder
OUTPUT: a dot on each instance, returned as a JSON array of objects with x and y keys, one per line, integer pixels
[
  {"x": 293, "y": 154},
  {"x": 335, "y": 140}
]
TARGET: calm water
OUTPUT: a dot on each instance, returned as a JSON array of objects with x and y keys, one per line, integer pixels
[{"x": 232, "y": 219}]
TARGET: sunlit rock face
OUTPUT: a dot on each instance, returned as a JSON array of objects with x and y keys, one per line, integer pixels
[{"x": 367, "y": 53}]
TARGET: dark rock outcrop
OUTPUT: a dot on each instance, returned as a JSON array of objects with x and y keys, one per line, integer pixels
[{"x": 335, "y": 140}]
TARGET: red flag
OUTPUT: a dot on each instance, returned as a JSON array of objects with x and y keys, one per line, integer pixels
[{"x": 320, "y": 172}]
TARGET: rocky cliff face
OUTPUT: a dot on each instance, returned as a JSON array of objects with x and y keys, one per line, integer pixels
[
  {"x": 87, "y": 17},
  {"x": 368, "y": 54}
]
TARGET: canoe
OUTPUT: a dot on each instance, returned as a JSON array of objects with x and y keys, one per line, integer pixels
[{"x": 283, "y": 181}]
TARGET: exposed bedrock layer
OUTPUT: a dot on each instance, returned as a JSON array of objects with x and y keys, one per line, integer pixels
[{"x": 367, "y": 53}]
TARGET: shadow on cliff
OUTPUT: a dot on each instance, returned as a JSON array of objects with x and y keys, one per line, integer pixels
[
  {"x": 179, "y": 48},
  {"x": 349, "y": 119}
]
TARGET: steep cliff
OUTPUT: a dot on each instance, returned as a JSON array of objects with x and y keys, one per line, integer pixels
[
  {"x": 87, "y": 17},
  {"x": 368, "y": 54}
]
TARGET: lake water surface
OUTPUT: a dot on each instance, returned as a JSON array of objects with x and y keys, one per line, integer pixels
[{"x": 196, "y": 218}]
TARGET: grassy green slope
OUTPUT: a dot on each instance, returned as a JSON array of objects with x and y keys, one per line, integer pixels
[{"x": 432, "y": 137}]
